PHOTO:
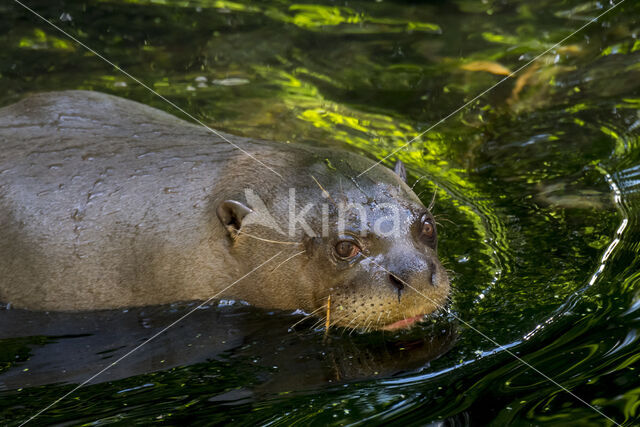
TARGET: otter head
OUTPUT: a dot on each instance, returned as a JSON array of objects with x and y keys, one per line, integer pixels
[{"x": 362, "y": 251}]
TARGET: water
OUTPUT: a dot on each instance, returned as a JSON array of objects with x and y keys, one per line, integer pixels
[{"x": 537, "y": 196}]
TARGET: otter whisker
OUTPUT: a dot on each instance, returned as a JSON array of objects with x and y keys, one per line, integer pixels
[
  {"x": 378, "y": 320},
  {"x": 372, "y": 325},
  {"x": 290, "y": 258},
  {"x": 365, "y": 322},
  {"x": 386, "y": 322},
  {"x": 319, "y": 322},
  {"x": 433, "y": 199},
  {"x": 368, "y": 323},
  {"x": 353, "y": 320},
  {"x": 334, "y": 321},
  {"x": 443, "y": 218},
  {"x": 443, "y": 306},
  {"x": 325, "y": 192},
  {"x": 305, "y": 317},
  {"x": 280, "y": 242},
  {"x": 337, "y": 320},
  {"x": 323, "y": 298},
  {"x": 366, "y": 328},
  {"x": 418, "y": 180}
]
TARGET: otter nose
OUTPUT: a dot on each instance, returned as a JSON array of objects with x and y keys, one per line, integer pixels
[
  {"x": 396, "y": 282},
  {"x": 413, "y": 275}
]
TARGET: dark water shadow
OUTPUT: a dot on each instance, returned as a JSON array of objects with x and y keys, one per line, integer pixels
[{"x": 40, "y": 348}]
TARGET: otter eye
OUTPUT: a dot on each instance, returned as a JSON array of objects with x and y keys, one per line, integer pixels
[
  {"x": 428, "y": 230},
  {"x": 346, "y": 249}
]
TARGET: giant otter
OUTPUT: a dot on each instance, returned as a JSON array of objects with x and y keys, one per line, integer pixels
[{"x": 108, "y": 203}]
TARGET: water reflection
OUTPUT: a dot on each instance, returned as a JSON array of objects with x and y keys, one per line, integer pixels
[{"x": 69, "y": 348}]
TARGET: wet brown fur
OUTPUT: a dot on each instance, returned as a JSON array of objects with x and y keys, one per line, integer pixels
[{"x": 107, "y": 203}]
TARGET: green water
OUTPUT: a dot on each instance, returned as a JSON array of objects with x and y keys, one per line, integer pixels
[{"x": 537, "y": 187}]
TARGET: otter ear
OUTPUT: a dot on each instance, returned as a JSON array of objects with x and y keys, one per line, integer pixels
[
  {"x": 231, "y": 213},
  {"x": 400, "y": 170}
]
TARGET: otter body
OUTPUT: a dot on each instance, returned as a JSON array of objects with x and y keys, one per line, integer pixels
[
  {"x": 107, "y": 203},
  {"x": 93, "y": 196}
]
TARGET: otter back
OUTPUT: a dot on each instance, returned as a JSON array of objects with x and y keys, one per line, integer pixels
[{"x": 93, "y": 191}]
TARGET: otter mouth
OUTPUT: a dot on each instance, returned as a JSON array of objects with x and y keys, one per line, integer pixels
[{"x": 403, "y": 324}]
